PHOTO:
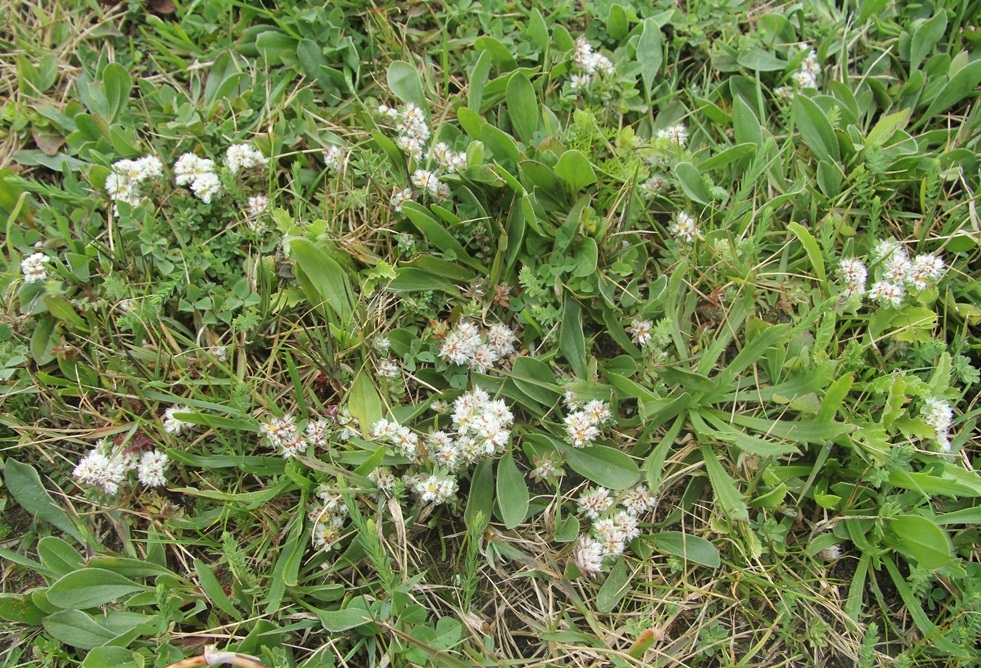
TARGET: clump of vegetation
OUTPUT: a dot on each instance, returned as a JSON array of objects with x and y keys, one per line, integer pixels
[{"x": 465, "y": 333}]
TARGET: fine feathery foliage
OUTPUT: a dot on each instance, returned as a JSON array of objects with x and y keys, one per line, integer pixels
[{"x": 482, "y": 334}]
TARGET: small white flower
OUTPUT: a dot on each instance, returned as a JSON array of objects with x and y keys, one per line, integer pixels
[
  {"x": 399, "y": 198},
  {"x": 387, "y": 368},
  {"x": 588, "y": 554},
  {"x": 33, "y": 268},
  {"x": 887, "y": 293},
  {"x": 318, "y": 433},
  {"x": 257, "y": 204},
  {"x": 638, "y": 500},
  {"x": 655, "y": 185},
  {"x": 641, "y": 329},
  {"x": 383, "y": 479},
  {"x": 206, "y": 186},
  {"x": 436, "y": 489},
  {"x": 334, "y": 158},
  {"x": 171, "y": 424},
  {"x": 240, "y": 157},
  {"x": 152, "y": 469},
  {"x": 595, "y": 502},
  {"x": 674, "y": 134},
  {"x": 684, "y": 227},
  {"x": 854, "y": 273},
  {"x": 579, "y": 82}
]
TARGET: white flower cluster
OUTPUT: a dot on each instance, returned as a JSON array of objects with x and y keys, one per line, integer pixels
[
  {"x": 938, "y": 414},
  {"x": 583, "y": 425},
  {"x": 685, "y": 227},
  {"x": 383, "y": 479},
  {"x": 591, "y": 64},
  {"x": 805, "y": 77},
  {"x": 199, "y": 174},
  {"x": 611, "y": 533},
  {"x": 171, "y": 424},
  {"x": 411, "y": 126},
  {"x": 429, "y": 182},
  {"x": 435, "y": 489},
  {"x": 653, "y": 186},
  {"x": 447, "y": 160},
  {"x": 327, "y": 518},
  {"x": 641, "y": 329},
  {"x": 399, "y": 198},
  {"x": 123, "y": 183},
  {"x": 286, "y": 435},
  {"x": 108, "y": 466},
  {"x": 334, "y": 158},
  {"x": 676, "y": 134},
  {"x": 482, "y": 429},
  {"x": 465, "y": 344},
  {"x": 240, "y": 157},
  {"x": 403, "y": 439},
  {"x": 33, "y": 268},
  {"x": 896, "y": 272}
]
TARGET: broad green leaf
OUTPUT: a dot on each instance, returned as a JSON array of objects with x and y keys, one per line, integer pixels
[
  {"x": 690, "y": 548},
  {"x": 478, "y": 79},
  {"x": 572, "y": 342},
  {"x": 19, "y": 609},
  {"x": 537, "y": 30},
  {"x": 963, "y": 84},
  {"x": 746, "y": 126},
  {"x": 650, "y": 53},
  {"x": 214, "y": 591},
  {"x": 117, "y": 85},
  {"x": 77, "y": 629},
  {"x": 812, "y": 249},
  {"x": 923, "y": 539},
  {"x": 44, "y": 338},
  {"x": 834, "y": 398},
  {"x": 58, "y": 555},
  {"x": 535, "y": 378},
  {"x": 364, "y": 402},
  {"x": 481, "y": 497},
  {"x": 405, "y": 83},
  {"x": 342, "y": 620},
  {"x": 326, "y": 278},
  {"x": 90, "y": 588},
  {"x": 113, "y": 657},
  {"x": 603, "y": 465},
  {"x": 575, "y": 170},
  {"x": 437, "y": 235},
  {"x": 726, "y": 492},
  {"x": 925, "y": 38},
  {"x": 692, "y": 183},
  {"x": 500, "y": 53},
  {"x": 815, "y": 129},
  {"x": 615, "y": 588},
  {"x": 616, "y": 22},
  {"x": 760, "y": 60},
  {"x": 62, "y": 309},
  {"x": 731, "y": 154},
  {"x": 25, "y": 486},
  {"x": 512, "y": 492},
  {"x": 522, "y": 107}
]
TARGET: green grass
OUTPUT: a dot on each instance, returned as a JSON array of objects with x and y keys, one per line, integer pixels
[{"x": 665, "y": 242}]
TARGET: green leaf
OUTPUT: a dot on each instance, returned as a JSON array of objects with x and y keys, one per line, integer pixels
[
  {"x": 691, "y": 182},
  {"x": 364, "y": 402},
  {"x": 616, "y": 22},
  {"x": 815, "y": 129},
  {"x": 342, "y": 620},
  {"x": 534, "y": 378},
  {"x": 695, "y": 549},
  {"x": 522, "y": 107},
  {"x": 25, "y": 486},
  {"x": 760, "y": 60},
  {"x": 77, "y": 629},
  {"x": 615, "y": 588},
  {"x": 19, "y": 609},
  {"x": 923, "y": 539},
  {"x": 58, "y": 555},
  {"x": 405, "y": 83},
  {"x": 925, "y": 38},
  {"x": 650, "y": 52},
  {"x": 731, "y": 154},
  {"x": 43, "y": 340},
  {"x": 117, "y": 85},
  {"x": 214, "y": 591},
  {"x": 478, "y": 79},
  {"x": 572, "y": 342},
  {"x": 327, "y": 280},
  {"x": 481, "y": 498},
  {"x": 811, "y": 247},
  {"x": 512, "y": 492},
  {"x": 834, "y": 398},
  {"x": 537, "y": 30},
  {"x": 724, "y": 486},
  {"x": 62, "y": 309},
  {"x": 603, "y": 465},
  {"x": 113, "y": 657},
  {"x": 437, "y": 235},
  {"x": 961, "y": 85},
  {"x": 90, "y": 588},
  {"x": 575, "y": 170},
  {"x": 745, "y": 124}
]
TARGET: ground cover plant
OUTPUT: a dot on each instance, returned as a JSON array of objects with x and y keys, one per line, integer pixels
[{"x": 486, "y": 333}]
